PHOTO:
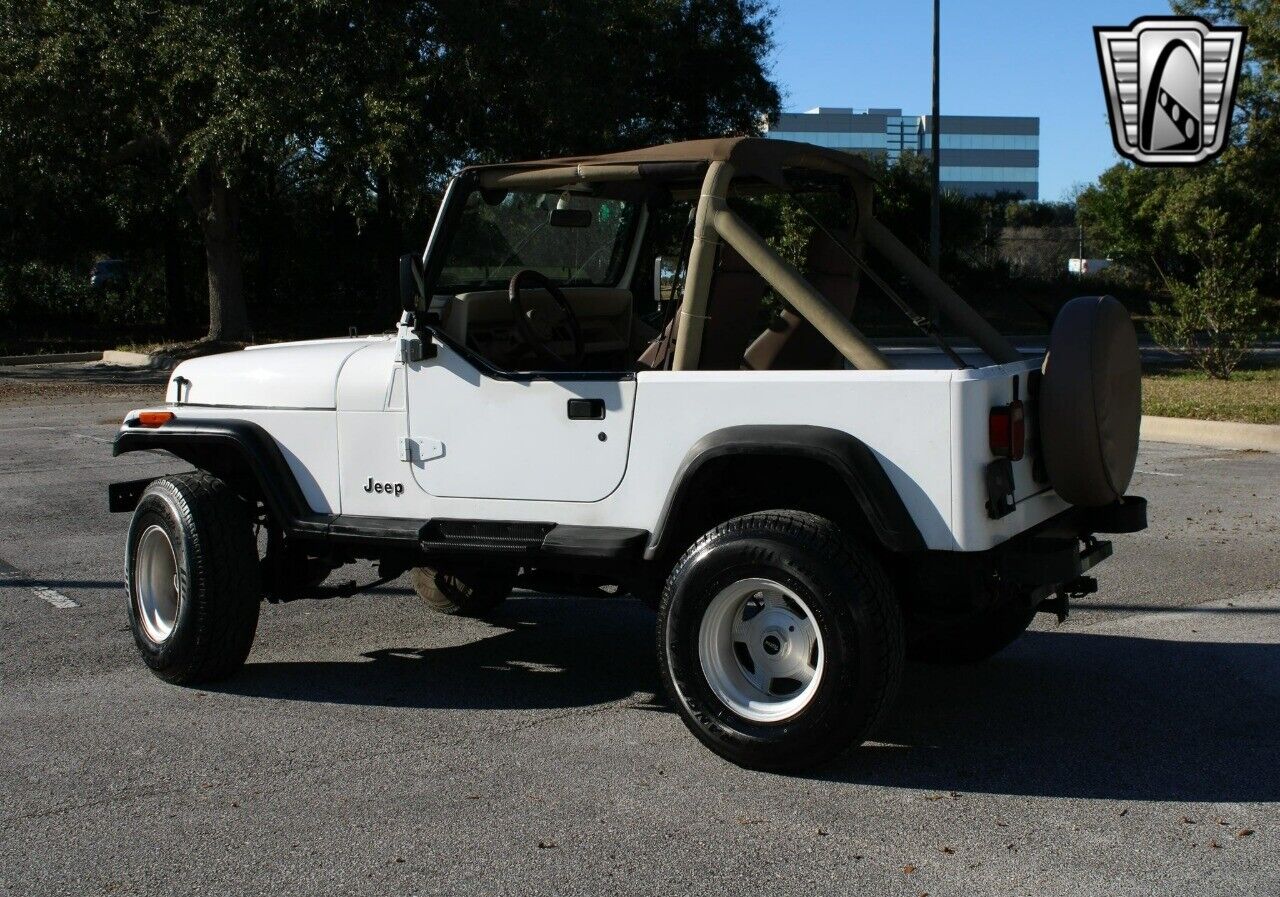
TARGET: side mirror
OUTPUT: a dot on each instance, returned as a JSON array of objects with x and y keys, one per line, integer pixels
[
  {"x": 411, "y": 286},
  {"x": 664, "y": 278}
]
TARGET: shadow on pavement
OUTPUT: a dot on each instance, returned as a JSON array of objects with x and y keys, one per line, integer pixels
[
  {"x": 1071, "y": 714},
  {"x": 1062, "y": 714},
  {"x": 67, "y": 585},
  {"x": 542, "y": 653}
]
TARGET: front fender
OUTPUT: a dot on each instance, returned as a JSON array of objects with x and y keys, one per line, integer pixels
[{"x": 240, "y": 452}]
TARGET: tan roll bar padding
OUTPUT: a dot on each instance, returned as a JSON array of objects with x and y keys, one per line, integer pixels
[
  {"x": 558, "y": 176},
  {"x": 702, "y": 261},
  {"x": 934, "y": 288},
  {"x": 784, "y": 278}
]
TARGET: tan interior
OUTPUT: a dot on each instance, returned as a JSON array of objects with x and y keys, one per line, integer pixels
[
  {"x": 709, "y": 167},
  {"x": 792, "y": 343},
  {"x": 733, "y": 311},
  {"x": 733, "y": 308}
]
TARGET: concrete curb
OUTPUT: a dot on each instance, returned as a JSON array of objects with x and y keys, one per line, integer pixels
[
  {"x": 59, "y": 358},
  {"x": 137, "y": 360},
  {"x": 1215, "y": 433}
]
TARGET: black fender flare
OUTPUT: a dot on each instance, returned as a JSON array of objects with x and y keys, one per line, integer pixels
[
  {"x": 197, "y": 441},
  {"x": 847, "y": 456}
]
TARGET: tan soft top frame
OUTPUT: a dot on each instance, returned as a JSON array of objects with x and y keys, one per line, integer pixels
[
  {"x": 749, "y": 156},
  {"x": 713, "y": 164}
]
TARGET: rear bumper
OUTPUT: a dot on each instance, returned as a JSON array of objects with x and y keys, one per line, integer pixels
[
  {"x": 1055, "y": 556},
  {"x": 1129, "y": 515},
  {"x": 1047, "y": 564}
]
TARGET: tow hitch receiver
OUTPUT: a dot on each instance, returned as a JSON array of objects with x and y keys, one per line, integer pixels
[
  {"x": 1052, "y": 570},
  {"x": 1060, "y": 603}
]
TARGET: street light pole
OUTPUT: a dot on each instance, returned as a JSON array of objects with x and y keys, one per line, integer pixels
[{"x": 935, "y": 199}]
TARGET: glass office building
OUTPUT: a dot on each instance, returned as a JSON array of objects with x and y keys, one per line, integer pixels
[{"x": 981, "y": 154}]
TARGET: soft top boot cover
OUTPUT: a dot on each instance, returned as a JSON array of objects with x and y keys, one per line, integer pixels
[{"x": 1091, "y": 401}]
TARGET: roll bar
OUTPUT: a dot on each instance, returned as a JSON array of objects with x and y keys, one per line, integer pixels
[{"x": 715, "y": 221}]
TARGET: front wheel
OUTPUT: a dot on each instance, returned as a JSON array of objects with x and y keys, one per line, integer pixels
[
  {"x": 779, "y": 641},
  {"x": 191, "y": 564}
]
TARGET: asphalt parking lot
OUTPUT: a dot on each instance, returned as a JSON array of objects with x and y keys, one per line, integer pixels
[{"x": 371, "y": 747}]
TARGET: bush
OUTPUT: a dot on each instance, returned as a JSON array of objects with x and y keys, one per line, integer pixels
[
  {"x": 1214, "y": 320},
  {"x": 42, "y": 297}
]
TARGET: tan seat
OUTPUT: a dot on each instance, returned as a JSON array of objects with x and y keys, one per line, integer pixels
[
  {"x": 792, "y": 343},
  {"x": 733, "y": 313}
]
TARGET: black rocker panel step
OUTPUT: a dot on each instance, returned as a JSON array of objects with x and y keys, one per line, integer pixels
[{"x": 484, "y": 535}]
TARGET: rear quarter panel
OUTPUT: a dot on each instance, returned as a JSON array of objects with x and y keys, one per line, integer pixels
[
  {"x": 973, "y": 394},
  {"x": 902, "y": 416}
]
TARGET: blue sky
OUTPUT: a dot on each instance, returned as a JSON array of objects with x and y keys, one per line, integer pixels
[{"x": 998, "y": 57}]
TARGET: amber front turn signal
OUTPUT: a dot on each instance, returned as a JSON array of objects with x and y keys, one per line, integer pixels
[{"x": 154, "y": 418}]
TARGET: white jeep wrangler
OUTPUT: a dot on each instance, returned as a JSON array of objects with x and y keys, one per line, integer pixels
[{"x": 560, "y": 410}]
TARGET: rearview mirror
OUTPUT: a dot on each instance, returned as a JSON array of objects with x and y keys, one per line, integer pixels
[
  {"x": 570, "y": 218},
  {"x": 411, "y": 287}
]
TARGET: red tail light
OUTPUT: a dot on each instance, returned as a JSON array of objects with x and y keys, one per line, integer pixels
[{"x": 1007, "y": 427}]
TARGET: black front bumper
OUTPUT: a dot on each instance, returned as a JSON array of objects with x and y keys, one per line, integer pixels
[{"x": 124, "y": 497}]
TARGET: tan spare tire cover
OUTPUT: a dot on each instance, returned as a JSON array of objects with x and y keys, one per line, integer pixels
[{"x": 1091, "y": 401}]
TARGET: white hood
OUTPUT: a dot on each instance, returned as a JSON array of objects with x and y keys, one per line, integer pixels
[{"x": 281, "y": 375}]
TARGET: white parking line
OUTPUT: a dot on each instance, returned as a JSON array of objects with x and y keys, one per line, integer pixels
[
  {"x": 56, "y": 598},
  {"x": 44, "y": 593}
]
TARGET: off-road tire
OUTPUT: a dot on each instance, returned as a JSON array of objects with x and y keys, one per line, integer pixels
[
  {"x": 855, "y": 612},
  {"x": 972, "y": 640},
  {"x": 219, "y": 590},
  {"x": 462, "y": 593}
]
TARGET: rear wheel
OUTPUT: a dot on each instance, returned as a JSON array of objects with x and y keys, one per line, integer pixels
[
  {"x": 464, "y": 593},
  {"x": 779, "y": 641},
  {"x": 192, "y": 575}
]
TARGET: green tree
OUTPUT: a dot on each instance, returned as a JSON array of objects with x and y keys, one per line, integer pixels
[
  {"x": 1258, "y": 100},
  {"x": 1209, "y": 236},
  {"x": 579, "y": 76},
  {"x": 319, "y": 104},
  {"x": 1215, "y": 317},
  {"x": 191, "y": 95}
]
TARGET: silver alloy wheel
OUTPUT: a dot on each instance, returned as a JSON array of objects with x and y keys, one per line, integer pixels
[
  {"x": 760, "y": 650},
  {"x": 155, "y": 584}
]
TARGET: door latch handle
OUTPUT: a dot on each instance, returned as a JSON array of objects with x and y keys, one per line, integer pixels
[{"x": 586, "y": 409}]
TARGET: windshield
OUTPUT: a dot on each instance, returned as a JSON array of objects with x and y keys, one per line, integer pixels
[{"x": 584, "y": 244}]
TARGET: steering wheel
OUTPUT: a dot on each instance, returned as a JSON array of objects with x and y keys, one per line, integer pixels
[{"x": 537, "y": 328}]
